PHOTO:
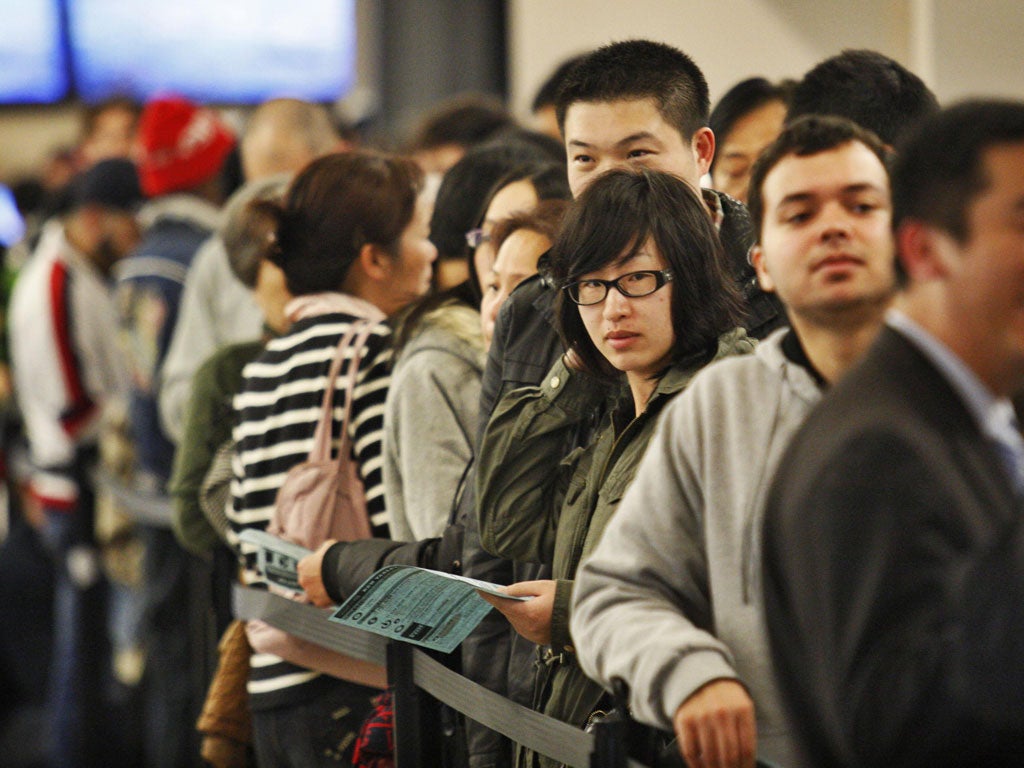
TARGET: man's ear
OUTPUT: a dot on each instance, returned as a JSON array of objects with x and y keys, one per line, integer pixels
[
  {"x": 757, "y": 260},
  {"x": 926, "y": 252},
  {"x": 703, "y": 145}
]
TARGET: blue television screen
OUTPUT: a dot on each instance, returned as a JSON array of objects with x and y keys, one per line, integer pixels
[
  {"x": 32, "y": 61},
  {"x": 12, "y": 226},
  {"x": 220, "y": 51}
]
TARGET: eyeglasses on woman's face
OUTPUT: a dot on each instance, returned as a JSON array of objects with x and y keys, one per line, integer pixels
[
  {"x": 631, "y": 284},
  {"x": 475, "y": 237}
]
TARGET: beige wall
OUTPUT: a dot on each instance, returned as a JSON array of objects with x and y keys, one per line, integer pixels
[
  {"x": 729, "y": 39},
  {"x": 28, "y": 134},
  {"x": 959, "y": 48}
]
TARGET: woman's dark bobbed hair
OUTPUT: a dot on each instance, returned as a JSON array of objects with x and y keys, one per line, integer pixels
[
  {"x": 614, "y": 217},
  {"x": 335, "y": 206}
]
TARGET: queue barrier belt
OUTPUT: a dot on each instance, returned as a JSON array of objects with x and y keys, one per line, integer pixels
[
  {"x": 522, "y": 725},
  {"x": 149, "y": 508}
]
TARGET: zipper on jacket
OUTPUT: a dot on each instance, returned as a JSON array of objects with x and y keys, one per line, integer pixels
[{"x": 580, "y": 534}]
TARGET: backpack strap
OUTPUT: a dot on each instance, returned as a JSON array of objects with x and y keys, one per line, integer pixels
[{"x": 321, "y": 450}]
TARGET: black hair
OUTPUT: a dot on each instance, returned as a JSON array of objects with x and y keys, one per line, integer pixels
[
  {"x": 465, "y": 120},
  {"x": 547, "y": 93},
  {"x": 640, "y": 69},
  {"x": 804, "y": 137},
  {"x": 742, "y": 99},
  {"x": 873, "y": 90},
  {"x": 335, "y": 206},
  {"x": 548, "y": 180},
  {"x": 466, "y": 187},
  {"x": 547, "y": 147},
  {"x": 614, "y": 217},
  {"x": 939, "y": 169}
]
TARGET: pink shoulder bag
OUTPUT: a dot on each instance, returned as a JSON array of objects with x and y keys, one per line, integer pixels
[{"x": 323, "y": 498}]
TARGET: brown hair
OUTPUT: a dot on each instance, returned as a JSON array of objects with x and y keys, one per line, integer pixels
[{"x": 335, "y": 206}]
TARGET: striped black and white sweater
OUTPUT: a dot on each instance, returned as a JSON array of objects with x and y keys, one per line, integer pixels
[{"x": 276, "y": 415}]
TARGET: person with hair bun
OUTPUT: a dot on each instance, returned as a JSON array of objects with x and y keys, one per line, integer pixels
[{"x": 352, "y": 240}]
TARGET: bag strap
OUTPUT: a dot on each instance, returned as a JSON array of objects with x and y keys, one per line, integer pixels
[
  {"x": 321, "y": 450},
  {"x": 353, "y": 372}
]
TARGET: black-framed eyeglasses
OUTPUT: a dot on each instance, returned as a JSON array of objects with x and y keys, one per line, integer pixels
[
  {"x": 632, "y": 284},
  {"x": 475, "y": 237}
]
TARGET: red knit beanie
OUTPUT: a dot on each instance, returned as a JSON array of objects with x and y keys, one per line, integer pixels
[{"x": 183, "y": 145}]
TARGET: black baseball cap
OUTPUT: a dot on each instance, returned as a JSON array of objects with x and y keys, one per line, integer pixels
[{"x": 111, "y": 183}]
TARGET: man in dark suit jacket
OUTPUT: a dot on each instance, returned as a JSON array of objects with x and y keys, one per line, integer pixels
[{"x": 894, "y": 540}]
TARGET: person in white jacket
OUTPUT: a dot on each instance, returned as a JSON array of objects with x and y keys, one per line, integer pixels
[
  {"x": 670, "y": 601},
  {"x": 67, "y": 369}
]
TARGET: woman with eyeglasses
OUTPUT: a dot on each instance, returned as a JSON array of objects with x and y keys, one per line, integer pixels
[
  {"x": 433, "y": 402},
  {"x": 646, "y": 302}
]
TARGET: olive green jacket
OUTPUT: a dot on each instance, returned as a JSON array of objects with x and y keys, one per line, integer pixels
[{"x": 538, "y": 501}]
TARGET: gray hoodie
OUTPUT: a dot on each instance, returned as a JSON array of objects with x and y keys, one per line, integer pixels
[
  {"x": 671, "y": 598},
  {"x": 430, "y": 421}
]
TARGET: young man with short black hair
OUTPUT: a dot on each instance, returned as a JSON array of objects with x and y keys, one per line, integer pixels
[
  {"x": 635, "y": 102},
  {"x": 670, "y": 601}
]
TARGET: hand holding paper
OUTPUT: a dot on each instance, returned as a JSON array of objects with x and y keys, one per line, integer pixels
[
  {"x": 276, "y": 559},
  {"x": 532, "y": 618},
  {"x": 310, "y": 576}
]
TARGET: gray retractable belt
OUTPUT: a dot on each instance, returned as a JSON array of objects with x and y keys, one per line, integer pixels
[
  {"x": 533, "y": 730},
  {"x": 149, "y": 508}
]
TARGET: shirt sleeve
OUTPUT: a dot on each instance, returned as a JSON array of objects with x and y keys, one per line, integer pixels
[
  {"x": 430, "y": 428},
  {"x": 642, "y": 609}
]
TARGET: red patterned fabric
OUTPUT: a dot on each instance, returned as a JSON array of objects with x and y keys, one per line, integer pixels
[{"x": 375, "y": 747}]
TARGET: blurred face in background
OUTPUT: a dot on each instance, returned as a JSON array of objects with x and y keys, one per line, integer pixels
[
  {"x": 516, "y": 197},
  {"x": 112, "y": 135},
  {"x": 410, "y": 267},
  {"x": 104, "y": 235},
  {"x": 740, "y": 147},
  {"x": 516, "y": 261}
]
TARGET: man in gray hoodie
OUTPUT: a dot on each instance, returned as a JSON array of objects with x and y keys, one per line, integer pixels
[{"x": 671, "y": 601}]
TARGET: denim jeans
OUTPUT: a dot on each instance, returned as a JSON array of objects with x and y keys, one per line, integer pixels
[
  {"x": 319, "y": 733},
  {"x": 80, "y": 670},
  {"x": 174, "y": 655}
]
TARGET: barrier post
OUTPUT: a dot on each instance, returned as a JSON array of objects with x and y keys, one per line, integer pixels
[
  {"x": 417, "y": 744},
  {"x": 611, "y": 731},
  {"x": 609, "y": 742}
]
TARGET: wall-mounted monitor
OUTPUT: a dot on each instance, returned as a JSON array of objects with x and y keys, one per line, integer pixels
[
  {"x": 32, "y": 61},
  {"x": 214, "y": 51},
  {"x": 12, "y": 226}
]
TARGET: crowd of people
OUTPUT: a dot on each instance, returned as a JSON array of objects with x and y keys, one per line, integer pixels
[{"x": 726, "y": 393}]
